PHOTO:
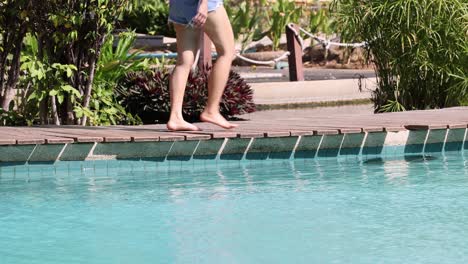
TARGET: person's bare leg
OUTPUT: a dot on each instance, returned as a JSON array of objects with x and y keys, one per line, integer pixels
[
  {"x": 219, "y": 29},
  {"x": 187, "y": 46}
]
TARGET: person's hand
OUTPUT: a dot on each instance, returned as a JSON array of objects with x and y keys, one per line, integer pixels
[{"x": 200, "y": 18}]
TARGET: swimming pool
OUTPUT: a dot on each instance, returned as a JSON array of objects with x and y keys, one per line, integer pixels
[{"x": 409, "y": 209}]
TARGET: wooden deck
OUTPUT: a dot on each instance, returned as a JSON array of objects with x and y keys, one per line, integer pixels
[{"x": 262, "y": 124}]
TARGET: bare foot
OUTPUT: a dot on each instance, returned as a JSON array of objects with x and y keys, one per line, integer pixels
[
  {"x": 181, "y": 125},
  {"x": 217, "y": 119}
]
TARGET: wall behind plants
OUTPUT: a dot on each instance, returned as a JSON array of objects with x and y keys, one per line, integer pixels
[{"x": 419, "y": 49}]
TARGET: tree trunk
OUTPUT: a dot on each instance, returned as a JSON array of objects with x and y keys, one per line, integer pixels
[
  {"x": 43, "y": 111},
  {"x": 66, "y": 110},
  {"x": 89, "y": 86},
  {"x": 7, "y": 98},
  {"x": 5, "y": 49},
  {"x": 54, "y": 111},
  {"x": 13, "y": 72}
]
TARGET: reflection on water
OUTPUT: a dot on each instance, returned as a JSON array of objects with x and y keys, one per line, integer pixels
[
  {"x": 406, "y": 159},
  {"x": 175, "y": 177}
]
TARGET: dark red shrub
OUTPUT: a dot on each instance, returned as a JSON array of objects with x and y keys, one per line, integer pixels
[{"x": 146, "y": 94}]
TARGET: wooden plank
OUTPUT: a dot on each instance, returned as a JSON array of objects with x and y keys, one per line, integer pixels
[
  {"x": 265, "y": 124},
  {"x": 7, "y": 142},
  {"x": 327, "y": 132},
  {"x": 273, "y": 134}
]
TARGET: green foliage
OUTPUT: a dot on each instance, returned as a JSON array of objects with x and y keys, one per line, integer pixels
[
  {"x": 13, "y": 27},
  {"x": 246, "y": 20},
  {"x": 49, "y": 82},
  {"x": 115, "y": 62},
  {"x": 19, "y": 111},
  {"x": 251, "y": 20},
  {"x": 70, "y": 36},
  {"x": 321, "y": 21},
  {"x": 392, "y": 106},
  {"x": 113, "y": 65},
  {"x": 50, "y": 77},
  {"x": 68, "y": 64},
  {"x": 104, "y": 110},
  {"x": 13, "y": 118},
  {"x": 146, "y": 94},
  {"x": 419, "y": 49},
  {"x": 282, "y": 12},
  {"x": 44, "y": 80},
  {"x": 149, "y": 17},
  {"x": 46, "y": 76}
]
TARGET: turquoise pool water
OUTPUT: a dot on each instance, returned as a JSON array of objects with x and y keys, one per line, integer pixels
[{"x": 403, "y": 210}]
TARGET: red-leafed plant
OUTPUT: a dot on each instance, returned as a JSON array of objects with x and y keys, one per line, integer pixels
[{"x": 146, "y": 94}]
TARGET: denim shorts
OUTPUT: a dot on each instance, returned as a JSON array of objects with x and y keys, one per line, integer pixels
[{"x": 183, "y": 11}]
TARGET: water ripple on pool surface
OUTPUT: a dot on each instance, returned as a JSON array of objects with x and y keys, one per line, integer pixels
[{"x": 410, "y": 210}]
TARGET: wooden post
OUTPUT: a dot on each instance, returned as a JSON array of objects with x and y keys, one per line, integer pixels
[
  {"x": 296, "y": 67},
  {"x": 205, "y": 58}
]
